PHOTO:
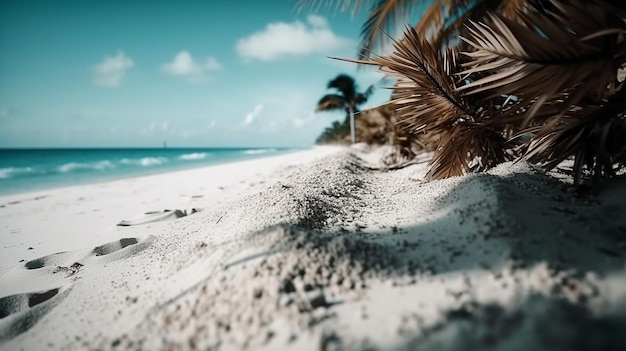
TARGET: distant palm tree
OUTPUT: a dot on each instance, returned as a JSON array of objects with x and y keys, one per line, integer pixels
[{"x": 347, "y": 99}]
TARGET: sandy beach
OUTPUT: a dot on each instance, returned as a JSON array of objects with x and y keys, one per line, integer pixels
[{"x": 316, "y": 250}]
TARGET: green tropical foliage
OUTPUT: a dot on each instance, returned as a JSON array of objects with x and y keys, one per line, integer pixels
[{"x": 336, "y": 133}]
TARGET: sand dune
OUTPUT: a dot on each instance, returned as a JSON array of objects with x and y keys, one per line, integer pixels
[{"x": 325, "y": 253}]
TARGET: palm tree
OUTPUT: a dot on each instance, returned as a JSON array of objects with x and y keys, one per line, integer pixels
[
  {"x": 440, "y": 21},
  {"x": 558, "y": 59},
  {"x": 347, "y": 99}
]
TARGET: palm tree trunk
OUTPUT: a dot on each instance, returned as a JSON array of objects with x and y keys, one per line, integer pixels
[{"x": 352, "y": 131}]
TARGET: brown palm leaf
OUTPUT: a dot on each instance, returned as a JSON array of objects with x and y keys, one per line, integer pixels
[
  {"x": 459, "y": 13},
  {"x": 561, "y": 60},
  {"x": 408, "y": 145},
  {"x": 385, "y": 15},
  {"x": 576, "y": 47},
  {"x": 593, "y": 134},
  {"x": 512, "y": 8},
  {"x": 431, "y": 21},
  {"x": 426, "y": 100}
]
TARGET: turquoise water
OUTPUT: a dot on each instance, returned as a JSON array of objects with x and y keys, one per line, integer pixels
[{"x": 24, "y": 170}]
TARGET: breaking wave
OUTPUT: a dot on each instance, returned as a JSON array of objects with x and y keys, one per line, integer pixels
[
  {"x": 6, "y": 173},
  {"x": 194, "y": 156},
  {"x": 22, "y": 170},
  {"x": 96, "y": 166},
  {"x": 258, "y": 151},
  {"x": 145, "y": 161}
]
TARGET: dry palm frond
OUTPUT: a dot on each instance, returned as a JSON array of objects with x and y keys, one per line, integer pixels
[
  {"x": 575, "y": 47},
  {"x": 431, "y": 20},
  {"x": 459, "y": 13},
  {"x": 446, "y": 31},
  {"x": 560, "y": 58},
  {"x": 426, "y": 100},
  {"x": 440, "y": 21},
  {"x": 407, "y": 144},
  {"x": 385, "y": 15},
  {"x": 594, "y": 135},
  {"x": 511, "y": 8}
]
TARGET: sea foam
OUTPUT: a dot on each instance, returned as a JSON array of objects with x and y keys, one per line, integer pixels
[
  {"x": 6, "y": 173},
  {"x": 194, "y": 156},
  {"x": 145, "y": 161},
  {"x": 96, "y": 166},
  {"x": 258, "y": 151}
]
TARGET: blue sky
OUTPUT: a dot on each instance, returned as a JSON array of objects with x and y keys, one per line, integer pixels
[{"x": 192, "y": 73}]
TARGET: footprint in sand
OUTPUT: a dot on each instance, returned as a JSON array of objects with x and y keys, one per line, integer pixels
[
  {"x": 68, "y": 262},
  {"x": 157, "y": 216},
  {"x": 44, "y": 261},
  {"x": 123, "y": 248},
  {"x": 20, "y": 312},
  {"x": 71, "y": 262},
  {"x": 114, "y": 246}
]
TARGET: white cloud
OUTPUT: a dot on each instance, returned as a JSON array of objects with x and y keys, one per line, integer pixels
[
  {"x": 251, "y": 116},
  {"x": 111, "y": 71},
  {"x": 280, "y": 39},
  {"x": 184, "y": 65}
]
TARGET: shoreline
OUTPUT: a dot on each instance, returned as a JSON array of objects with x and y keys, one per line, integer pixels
[
  {"x": 158, "y": 173},
  {"x": 145, "y": 172}
]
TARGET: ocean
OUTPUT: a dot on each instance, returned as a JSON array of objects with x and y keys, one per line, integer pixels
[{"x": 23, "y": 170}]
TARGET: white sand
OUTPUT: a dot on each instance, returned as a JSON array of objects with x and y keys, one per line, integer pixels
[{"x": 315, "y": 251}]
